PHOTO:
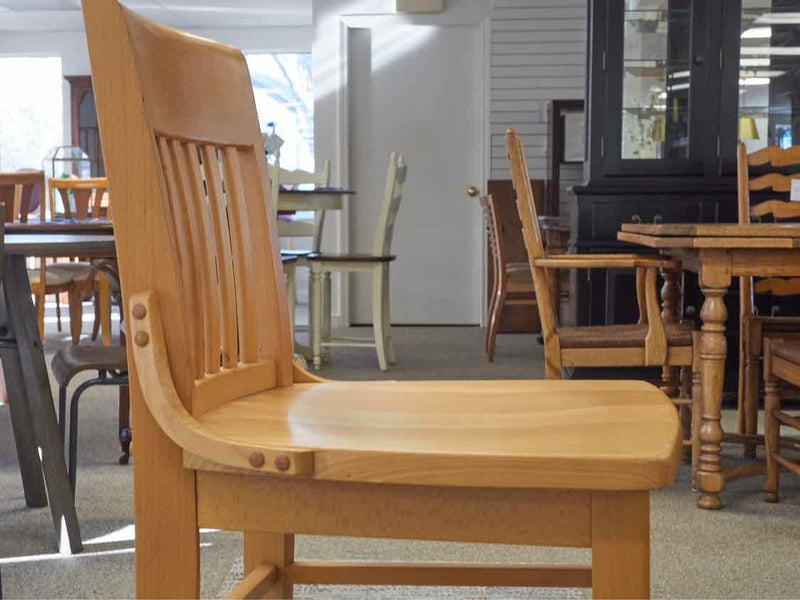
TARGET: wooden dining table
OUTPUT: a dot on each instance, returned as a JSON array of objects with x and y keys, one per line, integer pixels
[{"x": 719, "y": 253}]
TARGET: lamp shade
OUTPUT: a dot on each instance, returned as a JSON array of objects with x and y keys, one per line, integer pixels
[{"x": 747, "y": 128}]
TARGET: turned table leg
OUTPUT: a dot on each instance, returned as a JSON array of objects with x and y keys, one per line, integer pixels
[{"x": 714, "y": 282}]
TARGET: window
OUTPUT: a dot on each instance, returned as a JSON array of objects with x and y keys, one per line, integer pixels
[
  {"x": 31, "y": 111},
  {"x": 282, "y": 87}
]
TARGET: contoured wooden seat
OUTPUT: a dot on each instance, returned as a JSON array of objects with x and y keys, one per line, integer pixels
[{"x": 230, "y": 433}]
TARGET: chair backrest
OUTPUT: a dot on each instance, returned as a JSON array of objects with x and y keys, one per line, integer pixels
[
  {"x": 494, "y": 233},
  {"x": 393, "y": 193},
  {"x": 771, "y": 166},
  {"x": 282, "y": 177},
  {"x": 526, "y": 206},
  {"x": 82, "y": 198},
  {"x": 18, "y": 192},
  {"x": 185, "y": 160}
]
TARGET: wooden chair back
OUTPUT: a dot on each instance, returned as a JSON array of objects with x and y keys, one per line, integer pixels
[
  {"x": 82, "y": 198},
  {"x": 184, "y": 155},
  {"x": 17, "y": 193},
  {"x": 495, "y": 234},
  {"x": 526, "y": 206},
  {"x": 776, "y": 179},
  {"x": 393, "y": 193},
  {"x": 283, "y": 177}
]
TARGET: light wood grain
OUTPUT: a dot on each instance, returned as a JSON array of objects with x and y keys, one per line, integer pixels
[{"x": 256, "y": 583}]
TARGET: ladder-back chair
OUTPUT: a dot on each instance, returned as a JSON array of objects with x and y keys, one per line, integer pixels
[
  {"x": 656, "y": 340},
  {"x": 768, "y": 171},
  {"x": 17, "y": 192},
  {"x": 377, "y": 263},
  {"x": 297, "y": 227},
  {"x": 230, "y": 433}
]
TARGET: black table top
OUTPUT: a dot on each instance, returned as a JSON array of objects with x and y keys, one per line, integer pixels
[
  {"x": 99, "y": 225},
  {"x": 60, "y": 244},
  {"x": 316, "y": 190}
]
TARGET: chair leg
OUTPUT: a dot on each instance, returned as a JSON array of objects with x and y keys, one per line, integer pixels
[
  {"x": 387, "y": 319},
  {"x": 291, "y": 297},
  {"x": 326, "y": 313},
  {"x": 494, "y": 321},
  {"x": 670, "y": 385},
  {"x": 490, "y": 312},
  {"x": 104, "y": 302},
  {"x": 316, "y": 314},
  {"x": 62, "y": 411},
  {"x": 58, "y": 313},
  {"x": 754, "y": 346},
  {"x": 621, "y": 544},
  {"x": 75, "y": 313},
  {"x": 124, "y": 425},
  {"x": 40, "y": 313},
  {"x": 73, "y": 431},
  {"x": 96, "y": 324},
  {"x": 697, "y": 403},
  {"x": 772, "y": 402},
  {"x": 273, "y": 549},
  {"x": 377, "y": 315}
]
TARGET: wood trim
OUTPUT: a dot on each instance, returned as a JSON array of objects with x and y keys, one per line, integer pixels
[
  {"x": 303, "y": 506},
  {"x": 434, "y": 574}
]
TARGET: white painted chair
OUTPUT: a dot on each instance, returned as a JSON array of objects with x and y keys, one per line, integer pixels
[
  {"x": 296, "y": 228},
  {"x": 377, "y": 263}
]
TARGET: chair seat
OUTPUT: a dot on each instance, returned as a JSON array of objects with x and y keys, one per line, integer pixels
[
  {"x": 774, "y": 325},
  {"x": 621, "y": 336},
  {"x": 543, "y": 434},
  {"x": 788, "y": 350},
  {"x": 359, "y": 258},
  {"x": 71, "y": 360}
]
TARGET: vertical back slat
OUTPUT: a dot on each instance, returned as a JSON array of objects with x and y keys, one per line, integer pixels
[
  {"x": 237, "y": 218},
  {"x": 222, "y": 242},
  {"x": 201, "y": 226},
  {"x": 181, "y": 232}
]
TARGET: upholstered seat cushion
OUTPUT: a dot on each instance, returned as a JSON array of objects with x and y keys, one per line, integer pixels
[
  {"x": 325, "y": 256},
  {"x": 621, "y": 336},
  {"x": 71, "y": 360},
  {"x": 787, "y": 350}
]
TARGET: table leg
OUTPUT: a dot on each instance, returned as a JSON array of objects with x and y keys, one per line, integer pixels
[
  {"x": 714, "y": 282},
  {"x": 17, "y": 293},
  {"x": 30, "y": 466}
]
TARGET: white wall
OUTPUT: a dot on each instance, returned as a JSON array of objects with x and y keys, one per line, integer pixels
[
  {"x": 71, "y": 47},
  {"x": 538, "y": 55}
]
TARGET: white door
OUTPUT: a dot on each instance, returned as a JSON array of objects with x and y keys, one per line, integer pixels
[{"x": 416, "y": 89}]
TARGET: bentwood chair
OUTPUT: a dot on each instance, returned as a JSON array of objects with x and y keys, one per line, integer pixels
[
  {"x": 231, "y": 434},
  {"x": 377, "y": 263},
  {"x": 512, "y": 283},
  {"x": 656, "y": 340},
  {"x": 17, "y": 192},
  {"x": 767, "y": 171}
]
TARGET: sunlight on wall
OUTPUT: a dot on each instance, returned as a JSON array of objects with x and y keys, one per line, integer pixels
[{"x": 31, "y": 111}]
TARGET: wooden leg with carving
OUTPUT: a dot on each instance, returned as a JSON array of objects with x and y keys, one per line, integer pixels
[
  {"x": 772, "y": 401},
  {"x": 714, "y": 281},
  {"x": 697, "y": 404},
  {"x": 621, "y": 544},
  {"x": 272, "y": 549}
]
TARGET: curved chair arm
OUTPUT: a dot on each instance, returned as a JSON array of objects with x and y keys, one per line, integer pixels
[{"x": 161, "y": 397}]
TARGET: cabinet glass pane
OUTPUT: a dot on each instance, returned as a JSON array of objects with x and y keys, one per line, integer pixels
[
  {"x": 655, "y": 86},
  {"x": 769, "y": 75}
]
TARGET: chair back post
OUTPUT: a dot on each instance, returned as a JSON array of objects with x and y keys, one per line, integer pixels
[
  {"x": 495, "y": 235},
  {"x": 743, "y": 184},
  {"x": 299, "y": 177},
  {"x": 526, "y": 206},
  {"x": 16, "y": 194},
  {"x": 393, "y": 193}
]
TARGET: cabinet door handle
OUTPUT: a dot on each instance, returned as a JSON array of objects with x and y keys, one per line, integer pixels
[
  {"x": 691, "y": 311},
  {"x": 699, "y": 60},
  {"x": 775, "y": 310},
  {"x": 636, "y": 219},
  {"x": 657, "y": 219}
]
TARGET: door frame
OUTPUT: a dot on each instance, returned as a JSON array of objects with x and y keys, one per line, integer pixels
[{"x": 481, "y": 19}]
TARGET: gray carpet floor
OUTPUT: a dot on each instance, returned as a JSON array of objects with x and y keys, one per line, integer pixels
[{"x": 748, "y": 550}]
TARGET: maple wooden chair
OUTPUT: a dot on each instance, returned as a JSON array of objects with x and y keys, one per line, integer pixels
[
  {"x": 83, "y": 199},
  {"x": 512, "y": 284},
  {"x": 377, "y": 264},
  {"x": 781, "y": 364},
  {"x": 230, "y": 433},
  {"x": 770, "y": 174},
  {"x": 656, "y": 340},
  {"x": 17, "y": 191}
]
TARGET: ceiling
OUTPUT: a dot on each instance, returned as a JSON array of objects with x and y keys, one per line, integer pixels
[{"x": 65, "y": 15}]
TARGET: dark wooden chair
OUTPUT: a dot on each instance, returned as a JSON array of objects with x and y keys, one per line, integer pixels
[
  {"x": 512, "y": 284},
  {"x": 781, "y": 364}
]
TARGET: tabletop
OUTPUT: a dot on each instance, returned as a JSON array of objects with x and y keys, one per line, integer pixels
[
  {"x": 60, "y": 244},
  {"x": 719, "y": 235}
]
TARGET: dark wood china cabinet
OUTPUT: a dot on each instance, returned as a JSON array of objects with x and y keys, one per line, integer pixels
[
  {"x": 669, "y": 84},
  {"x": 83, "y": 116}
]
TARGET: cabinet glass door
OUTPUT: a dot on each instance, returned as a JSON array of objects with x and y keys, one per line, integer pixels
[
  {"x": 769, "y": 74},
  {"x": 655, "y": 79}
]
